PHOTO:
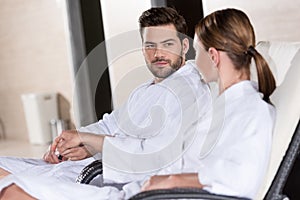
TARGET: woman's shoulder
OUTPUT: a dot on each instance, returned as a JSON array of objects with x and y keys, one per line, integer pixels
[{"x": 250, "y": 106}]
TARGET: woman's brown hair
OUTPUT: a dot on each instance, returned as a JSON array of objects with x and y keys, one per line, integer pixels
[{"x": 230, "y": 30}]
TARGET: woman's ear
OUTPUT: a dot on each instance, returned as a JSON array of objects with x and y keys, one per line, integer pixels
[{"x": 214, "y": 55}]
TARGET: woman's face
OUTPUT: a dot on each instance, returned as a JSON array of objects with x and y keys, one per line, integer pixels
[{"x": 204, "y": 62}]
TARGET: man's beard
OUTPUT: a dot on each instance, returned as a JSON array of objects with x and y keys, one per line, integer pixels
[{"x": 165, "y": 71}]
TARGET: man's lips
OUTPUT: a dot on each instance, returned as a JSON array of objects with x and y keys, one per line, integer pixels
[{"x": 161, "y": 63}]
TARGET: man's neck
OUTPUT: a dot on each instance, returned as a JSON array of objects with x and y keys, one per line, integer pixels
[{"x": 158, "y": 80}]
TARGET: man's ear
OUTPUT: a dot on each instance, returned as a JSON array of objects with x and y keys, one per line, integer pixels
[
  {"x": 185, "y": 45},
  {"x": 214, "y": 55}
]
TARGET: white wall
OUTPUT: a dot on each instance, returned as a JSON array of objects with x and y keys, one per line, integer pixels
[
  {"x": 33, "y": 59},
  {"x": 273, "y": 20},
  {"x": 126, "y": 63}
]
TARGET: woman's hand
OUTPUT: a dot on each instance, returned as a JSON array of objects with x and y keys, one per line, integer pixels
[{"x": 172, "y": 181}]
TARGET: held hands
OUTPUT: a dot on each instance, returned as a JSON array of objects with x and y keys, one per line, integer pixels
[
  {"x": 51, "y": 157},
  {"x": 76, "y": 153},
  {"x": 70, "y": 147}
]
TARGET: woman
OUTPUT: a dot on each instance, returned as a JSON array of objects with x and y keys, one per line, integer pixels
[{"x": 236, "y": 162}]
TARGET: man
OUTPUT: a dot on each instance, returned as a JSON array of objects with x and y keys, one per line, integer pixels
[
  {"x": 239, "y": 156},
  {"x": 155, "y": 125}
]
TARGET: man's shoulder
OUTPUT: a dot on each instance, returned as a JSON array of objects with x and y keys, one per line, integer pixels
[{"x": 188, "y": 69}]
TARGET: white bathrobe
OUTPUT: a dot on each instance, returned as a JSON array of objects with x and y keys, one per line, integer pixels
[
  {"x": 236, "y": 163},
  {"x": 231, "y": 159},
  {"x": 154, "y": 116}
]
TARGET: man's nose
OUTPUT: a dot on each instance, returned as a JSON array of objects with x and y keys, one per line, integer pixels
[{"x": 159, "y": 53}]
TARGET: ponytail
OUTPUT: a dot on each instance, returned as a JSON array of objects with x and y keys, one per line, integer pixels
[
  {"x": 266, "y": 80},
  {"x": 230, "y": 30}
]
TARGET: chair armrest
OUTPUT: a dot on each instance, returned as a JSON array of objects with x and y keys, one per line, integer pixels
[
  {"x": 182, "y": 193},
  {"x": 90, "y": 172}
]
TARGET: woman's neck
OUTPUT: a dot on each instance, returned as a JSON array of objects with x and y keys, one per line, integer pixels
[{"x": 230, "y": 78}]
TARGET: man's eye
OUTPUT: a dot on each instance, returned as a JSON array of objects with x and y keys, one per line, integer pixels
[
  {"x": 149, "y": 46},
  {"x": 168, "y": 44}
]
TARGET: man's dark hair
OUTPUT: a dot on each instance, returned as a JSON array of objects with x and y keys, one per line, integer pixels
[{"x": 163, "y": 16}]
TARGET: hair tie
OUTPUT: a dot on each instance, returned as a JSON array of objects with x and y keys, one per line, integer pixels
[{"x": 251, "y": 51}]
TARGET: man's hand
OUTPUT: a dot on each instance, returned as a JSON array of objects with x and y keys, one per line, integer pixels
[
  {"x": 74, "y": 145},
  {"x": 76, "y": 153},
  {"x": 50, "y": 157},
  {"x": 65, "y": 142}
]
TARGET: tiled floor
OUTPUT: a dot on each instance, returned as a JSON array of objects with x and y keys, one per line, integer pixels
[{"x": 21, "y": 149}]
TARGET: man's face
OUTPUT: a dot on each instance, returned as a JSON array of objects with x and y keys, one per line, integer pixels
[{"x": 163, "y": 50}]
